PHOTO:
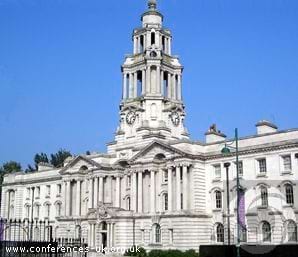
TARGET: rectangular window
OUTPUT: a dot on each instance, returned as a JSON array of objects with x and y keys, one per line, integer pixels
[
  {"x": 37, "y": 192},
  {"x": 262, "y": 166},
  {"x": 59, "y": 189},
  {"x": 128, "y": 181},
  {"x": 28, "y": 193},
  {"x": 165, "y": 176},
  {"x": 217, "y": 171},
  {"x": 240, "y": 168},
  {"x": 48, "y": 190},
  {"x": 171, "y": 236},
  {"x": 287, "y": 163}
]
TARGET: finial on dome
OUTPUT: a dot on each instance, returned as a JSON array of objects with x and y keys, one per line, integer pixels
[{"x": 152, "y": 4}]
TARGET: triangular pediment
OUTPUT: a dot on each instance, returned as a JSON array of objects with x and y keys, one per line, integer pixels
[
  {"x": 156, "y": 148},
  {"x": 80, "y": 165}
]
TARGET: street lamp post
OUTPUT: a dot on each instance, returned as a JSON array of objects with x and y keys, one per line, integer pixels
[
  {"x": 226, "y": 150},
  {"x": 227, "y": 165}
]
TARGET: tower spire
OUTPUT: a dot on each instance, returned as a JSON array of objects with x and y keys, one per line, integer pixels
[{"x": 152, "y": 4}]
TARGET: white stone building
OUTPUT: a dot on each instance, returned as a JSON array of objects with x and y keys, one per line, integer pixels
[{"x": 155, "y": 187}]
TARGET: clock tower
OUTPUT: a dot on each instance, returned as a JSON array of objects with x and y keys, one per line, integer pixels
[{"x": 151, "y": 104}]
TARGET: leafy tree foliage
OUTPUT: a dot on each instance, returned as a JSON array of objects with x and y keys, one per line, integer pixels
[
  {"x": 58, "y": 158},
  {"x": 136, "y": 251}
]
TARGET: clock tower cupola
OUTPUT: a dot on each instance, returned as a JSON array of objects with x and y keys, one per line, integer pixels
[{"x": 151, "y": 102}]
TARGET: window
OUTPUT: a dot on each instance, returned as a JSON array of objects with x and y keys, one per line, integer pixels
[
  {"x": 165, "y": 202},
  {"x": 181, "y": 175},
  {"x": 171, "y": 236},
  {"x": 240, "y": 168},
  {"x": 217, "y": 171},
  {"x": 181, "y": 205},
  {"x": 128, "y": 181},
  {"x": 58, "y": 209},
  {"x": 266, "y": 232},
  {"x": 48, "y": 190},
  {"x": 152, "y": 38},
  {"x": 218, "y": 200},
  {"x": 262, "y": 166},
  {"x": 289, "y": 194},
  {"x": 165, "y": 176},
  {"x": 59, "y": 189},
  {"x": 156, "y": 234},
  {"x": 128, "y": 207},
  {"x": 37, "y": 211},
  {"x": 28, "y": 193},
  {"x": 292, "y": 231},
  {"x": 37, "y": 192},
  {"x": 27, "y": 208},
  {"x": 264, "y": 197},
  {"x": 220, "y": 233},
  {"x": 48, "y": 210},
  {"x": 287, "y": 163}
]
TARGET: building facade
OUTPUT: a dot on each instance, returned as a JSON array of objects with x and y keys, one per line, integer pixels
[{"x": 155, "y": 187}]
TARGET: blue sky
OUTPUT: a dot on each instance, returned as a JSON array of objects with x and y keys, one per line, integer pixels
[{"x": 60, "y": 80}]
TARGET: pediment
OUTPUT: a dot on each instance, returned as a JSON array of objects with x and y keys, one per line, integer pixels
[
  {"x": 79, "y": 165},
  {"x": 156, "y": 148}
]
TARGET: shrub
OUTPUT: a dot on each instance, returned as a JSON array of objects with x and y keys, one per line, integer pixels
[{"x": 172, "y": 253}]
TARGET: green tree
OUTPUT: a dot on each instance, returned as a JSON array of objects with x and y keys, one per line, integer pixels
[
  {"x": 42, "y": 157},
  {"x": 58, "y": 158}
]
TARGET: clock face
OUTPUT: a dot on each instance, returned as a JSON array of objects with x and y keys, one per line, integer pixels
[
  {"x": 131, "y": 118},
  {"x": 175, "y": 118}
]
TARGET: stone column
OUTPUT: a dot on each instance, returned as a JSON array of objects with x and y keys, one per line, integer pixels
[
  {"x": 108, "y": 235},
  {"x": 179, "y": 88},
  {"x": 117, "y": 198},
  {"x": 170, "y": 189},
  {"x": 100, "y": 193},
  {"x": 152, "y": 192},
  {"x": 131, "y": 85},
  {"x": 68, "y": 199},
  {"x": 138, "y": 45},
  {"x": 143, "y": 81},
  {"x": 148, "y": 86},
  {"x": 124, "y": 86},
  {"x": 185, "y": 188},
  {"x": 95, "y": 192},
  {"x": 166, "y": 46},
  {"x": 174, "y": 87},
  {"x": 134, "y": 45},
  {"x": 158, "y": 89},
  {"x": 161, "y": 83},
  {"x": 178, "y": 189},
  {"x": 78, "y": 198},
  {"x": 169, "y": 85},
  {"x": 90, "y": 193},
  {"x": 63, "y": 199},
  {"x": 170, "y": 46},
  {"x": 140, "y": 192},
  {"x": 112, "y": 235},
  {"x": 135, "y": 87},
  {"x": 134, "y": 191}
]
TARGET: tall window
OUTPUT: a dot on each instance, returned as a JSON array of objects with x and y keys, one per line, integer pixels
[
  {"x": 289, "y": 194},
  {"x": 128, "y": 207},
  {"x": 165, "y": 202},
  {"x": 27, "y": 208},
  {"x": 165, "y": 176},
  {"x": 128, "y": 181},
  {"x": 156, "y": 234},
  {"x": 59, "y": 189},
  {"x": 262, "y": 166},
  {"x": 266, "y": 232},
  {"x": 58, "y": 209},
  {"x": 287, "y": 163},
  {"x": 240, "y": 168},
  {"x": 37, "y": 211},
  {"x": 152, "y": 38},
  {"x": 48, "y": 190},
  {"x": 217, "y": 171},
  {"x": 48, "y": 210},
  {"x": 218, "y": 200},
  {"x": 37, "y": 192},
  {"x": 264, "y": 197},
  {"x": 292, "y": 231},
  {"x": 220, "y": 233}
]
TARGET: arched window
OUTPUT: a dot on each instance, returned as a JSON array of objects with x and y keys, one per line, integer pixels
[
  {"x": 128, "y": 207},
  {"x": 220, "y": 237},
  {"x": 165, "y": 202},
  {"x": 152, "y": 38},
  {"x": 218, "y": 199},
  {"x": 292, "y": 231},
  {"x": 264, "y": 196},
  {"x": 58, "y": 209},
  {"x": 156, "y": 233},
  {"x": 289, "y": 194},
  {"x": 47, "y": 210},
  {"x": 27, "y": 211},
  {"x": 141, "y": 43},
  {"x": 266, "y": 232}
]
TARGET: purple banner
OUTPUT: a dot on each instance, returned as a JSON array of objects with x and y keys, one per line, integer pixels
[{"x": 242, "y": 209}]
